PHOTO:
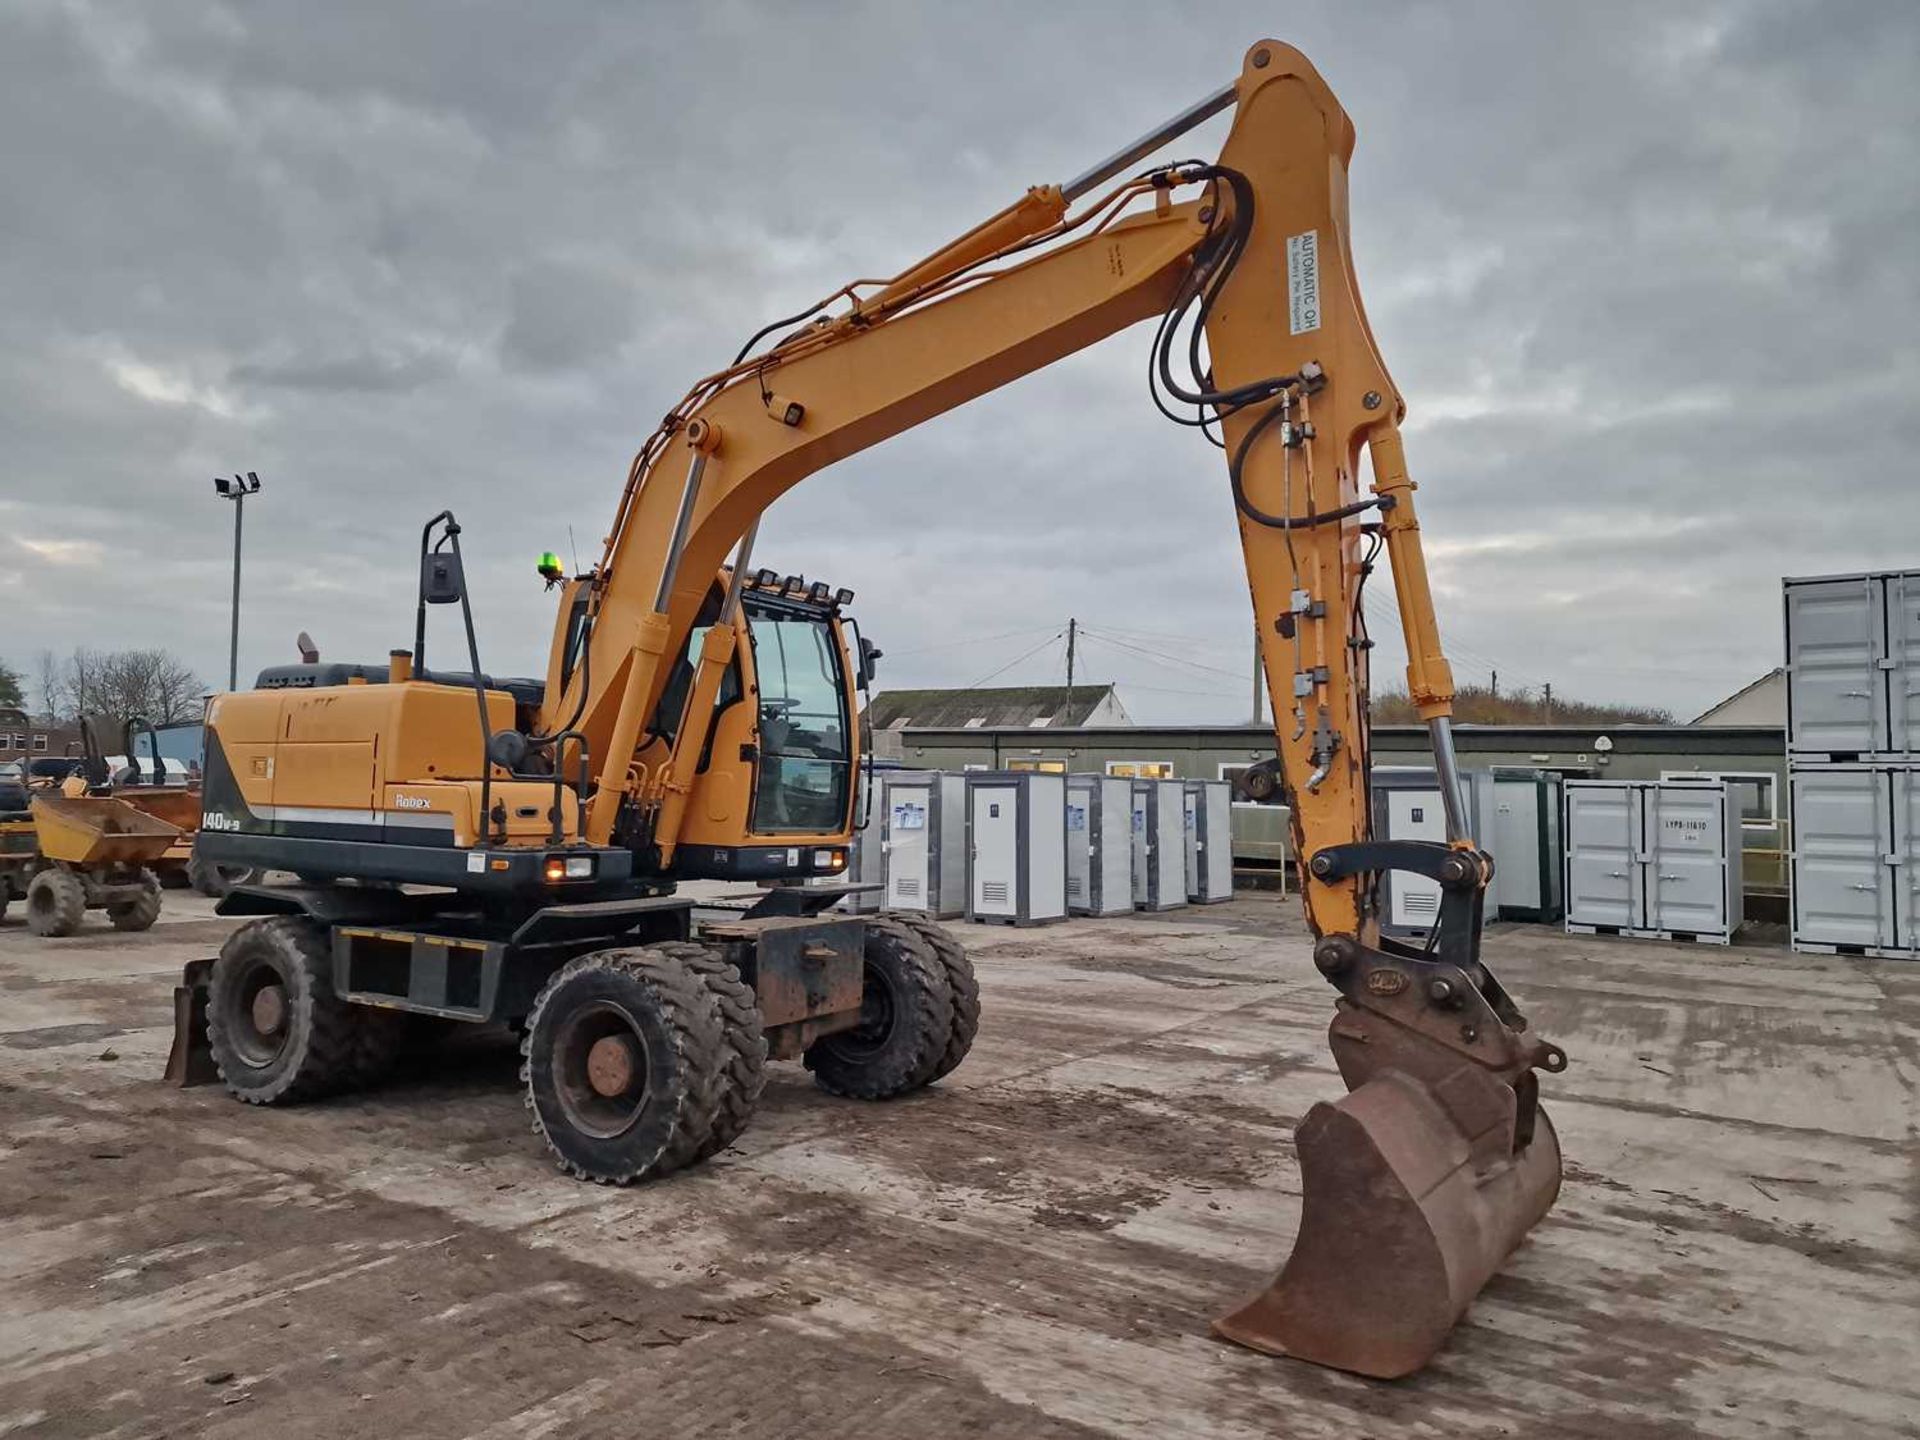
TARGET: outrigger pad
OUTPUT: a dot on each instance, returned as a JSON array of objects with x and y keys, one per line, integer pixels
[
  {"x": 1398, "y": 1230},
  {"x": 190, "y": 1062}
]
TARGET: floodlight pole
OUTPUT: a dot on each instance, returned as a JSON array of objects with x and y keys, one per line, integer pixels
[
  {"x": 236, "y": 490},
  {"x": 233, "y": 640}
]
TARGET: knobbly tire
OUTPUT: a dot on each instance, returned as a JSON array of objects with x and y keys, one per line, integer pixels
[
  {"x": 138, "y": 914},
  {"x": 277, "y": 1030},
  {"x": 744, "y": 1074},
  {"x": 962, "y": 988},
  {"x": 906, "y": 1020},
  {"x": 216, "y": 881},
  {"x": 626, "y": 1062},
  {"x": 56, "y": 903}
]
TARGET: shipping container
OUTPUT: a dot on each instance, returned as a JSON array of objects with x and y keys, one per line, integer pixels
[
  {"x": 926, "y": 843},
  {"x": 1159, "y": 845},
  {"x": 1016, "y": 846},
  {"x": 1856, "y": 860},
  {"x": 1853, "y": 667},
  {"x": 1207, "y": 840},
  {"x": 1407, "y": 806},
  {"x": 1099, "y": 845},
  {"x": 1523, "y": 837},
  {"x": 1653, "y": 858}
]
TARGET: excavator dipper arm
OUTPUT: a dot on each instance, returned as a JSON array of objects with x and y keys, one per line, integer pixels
[{"x": 1420, "y": 1181}]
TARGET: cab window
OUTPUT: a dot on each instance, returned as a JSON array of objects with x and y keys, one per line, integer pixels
[{"x": 804, "y": 770}]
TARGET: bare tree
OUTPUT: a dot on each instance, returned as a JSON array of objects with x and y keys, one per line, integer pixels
[
  {"x": 52, "y": 693},
  {"x": 112, "y": 687}
]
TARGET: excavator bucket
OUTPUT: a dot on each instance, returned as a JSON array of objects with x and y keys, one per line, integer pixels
[{"x": 1404, "y": 1217}]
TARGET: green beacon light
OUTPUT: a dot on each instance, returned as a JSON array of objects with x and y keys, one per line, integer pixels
[{"x": 549, "y": 568}]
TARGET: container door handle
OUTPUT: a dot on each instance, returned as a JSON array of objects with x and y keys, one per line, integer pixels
[
  {"x": 1616, "y": 874},
  {"x": 1870, "y": 889}
]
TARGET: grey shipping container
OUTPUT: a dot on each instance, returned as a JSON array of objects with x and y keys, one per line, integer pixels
[
  {"x": 1207, "y": 816},
  {"x": 1099, "y": 845},
  {"x": 1856, "y": 860},
  {"x": 1159, "y": 845},
  {"x": 1524, "y": 838},
  {"x": 926, "y": 843},
  {"x": 1407, "y": 806},
  {"x": 1016, "y": 846},
  {"x": 1853, "y": 667},
  {"x": 1653, "y": 858}
]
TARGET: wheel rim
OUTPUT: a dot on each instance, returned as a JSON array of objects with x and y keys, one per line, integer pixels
[
  {"x": 40, "y": 903},
  {"x": 600, "y": 1067},
  {"x": 879, "y": 1006},
  {"x": 259, "y": 1014}
]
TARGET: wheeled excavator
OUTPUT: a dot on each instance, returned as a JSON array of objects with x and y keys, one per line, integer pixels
[{"x": 488, "y": 849}]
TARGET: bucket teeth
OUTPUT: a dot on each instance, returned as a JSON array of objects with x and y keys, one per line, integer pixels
[{"x": 1400, "y": 1227}]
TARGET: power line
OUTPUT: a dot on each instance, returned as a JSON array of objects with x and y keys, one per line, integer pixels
[
  {"x": 1023, "y": 655},
  {"x": 970, "y": 640},
  {"x": 1106, "y": 638}
]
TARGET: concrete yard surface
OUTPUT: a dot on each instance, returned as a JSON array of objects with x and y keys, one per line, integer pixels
[{"x": 1032, "y": 1248}]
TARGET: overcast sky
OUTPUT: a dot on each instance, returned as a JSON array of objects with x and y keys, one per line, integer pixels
[{"x": 1647, "y": 275}]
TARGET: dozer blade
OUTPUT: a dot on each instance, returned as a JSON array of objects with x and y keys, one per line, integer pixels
[
  {"x": 190, "y": 1061},
  {"x": 1399, "y": 1229}
]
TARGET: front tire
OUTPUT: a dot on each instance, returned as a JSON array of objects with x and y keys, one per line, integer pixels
[
  {"x": 906, "y": 1020},
  {"x": 56, "y": 903},
  {"x": 278, "y": 1032},
  {"x": 626, "y": 1062},
  {"x": 138, "y": 914},
  {"x": 217, "y": 881}
]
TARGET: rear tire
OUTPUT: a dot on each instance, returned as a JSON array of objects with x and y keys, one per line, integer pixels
[
  {"x": 626, "y": 1062},
  {"x": 962, "y": 988},
  {"x": 215, "y": 881},
  {"x": 744, "y": 1070},
  {"x": 298, "y": 1044},
  {"x": 906, "y": 1020},
  {"x": 56, "y": 903},
  {"x": 138, "y": 914}
]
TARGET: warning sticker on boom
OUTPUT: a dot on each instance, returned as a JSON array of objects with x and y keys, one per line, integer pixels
[{"x": 1303, "y": 282}]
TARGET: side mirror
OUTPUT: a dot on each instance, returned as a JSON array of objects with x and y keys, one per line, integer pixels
[
  {"x": 870, "y": 653},
  {"x": 442, "y": 581}
]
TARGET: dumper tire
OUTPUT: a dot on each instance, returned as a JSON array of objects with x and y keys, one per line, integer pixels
[
  {"x": 962, "y": 988},
  {"x": 311, "y": 1052},
  {"x": 906, "y": 1020},
  {"x": 652, "y": 995},
  {"x": 744, "y": 1074},
  {"x": 379, "y": 1038},
  {"x": 138, "y": 914},
  {"x": 56, "y": 903}
]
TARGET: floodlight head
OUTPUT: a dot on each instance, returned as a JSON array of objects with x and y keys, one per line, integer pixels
[{"x": 223, "y": 485}]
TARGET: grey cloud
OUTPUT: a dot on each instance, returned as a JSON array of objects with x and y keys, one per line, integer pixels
[{"x": 1644, "y": 272}]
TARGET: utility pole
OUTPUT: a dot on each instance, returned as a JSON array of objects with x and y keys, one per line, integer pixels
[
  {"x": 237, "y": 489},
  {"x": 1496, "y": 684},
  {"x": 1549, "y": 690},
  {"x": 1073, "y": 628}
]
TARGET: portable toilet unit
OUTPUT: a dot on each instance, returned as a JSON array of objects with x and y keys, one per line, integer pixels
[
  {"x": 1207, "y": 814},
  {"x": 1099, "y": 845},
  {"x": 926, "y": 843},
  {"x": 1016, "y": 846},
  {"x": 1653, "y": 858},
  {"x": 1524, "y": 837},
  {"x": 1159, "y": 845},
  {"x": 866, "y": 856},
  {"x": 1407, "y": 806}
]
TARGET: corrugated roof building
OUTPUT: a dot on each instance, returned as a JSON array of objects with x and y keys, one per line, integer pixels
[{"x": 1034, "y": 707}]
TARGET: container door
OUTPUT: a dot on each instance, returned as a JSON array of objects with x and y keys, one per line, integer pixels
[
  {"x": 1169, "y": 845},
  {"x": 1191, "y": 822},
  {"x": 1115, "y": 839},
  {"x": 1602, "y": 872},
  {"x": 907, "y": 848},
  {"x": 1686, "y": 838},
  {"x": 1082, "y": 848},
  {"x": 1833, "y": 634},
  {"x": 1516, "y": 839},
  {"x": 996, "y": 828},
  {"x": 1217, "y": 870},
  {"x": 1142, "y": 847},
  {"x": 1415, "y": 815},
  {"x": 1841, "y": 890},
  {"x": 1901, "y": 665},
  {"x": 1902, "y": 870}
]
